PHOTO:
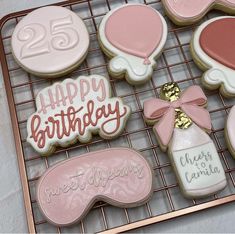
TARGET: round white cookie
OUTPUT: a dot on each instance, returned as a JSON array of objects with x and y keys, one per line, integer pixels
[
  {"x": 50, "y": 41},
  {"x": 133, "y": 36}
]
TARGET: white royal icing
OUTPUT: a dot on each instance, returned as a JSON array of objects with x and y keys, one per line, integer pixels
[
  {"x": 218, "y": 74},
  {"x": 230, "y": 128},
  {"x": 196, "y": 161}
]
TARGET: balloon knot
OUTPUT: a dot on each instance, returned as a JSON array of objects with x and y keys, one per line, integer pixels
[{"x": 146, "y": 61}]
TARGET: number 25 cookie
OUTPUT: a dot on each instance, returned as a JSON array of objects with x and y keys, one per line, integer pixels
[
  {"x": 133, "y": 36},
  {"x": 72, "y": 110},
  {"x": 50, "y": 41},
  {"x": 213, "y": 50}
]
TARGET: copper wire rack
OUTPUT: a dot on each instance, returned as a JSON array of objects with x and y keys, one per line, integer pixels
[{"x": 175, "y": 64}]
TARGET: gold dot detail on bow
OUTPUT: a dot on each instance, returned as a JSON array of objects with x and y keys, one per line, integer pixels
[{"x": 171, "y": 92}]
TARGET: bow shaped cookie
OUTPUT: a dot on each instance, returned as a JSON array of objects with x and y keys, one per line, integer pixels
[{"x": 191, "y": 102}]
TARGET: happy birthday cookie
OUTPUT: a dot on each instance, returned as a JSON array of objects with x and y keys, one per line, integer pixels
[
  {"x": 212, "y": 48},
  {"x": 118, "y": 176},
  {"x": 132, "y": 36},
  {"x": 230, "y": 131},
  {"x": 72, "y": 111},
  {"x": 185, "y": 12},
  {"x": 50, "y": 42}
]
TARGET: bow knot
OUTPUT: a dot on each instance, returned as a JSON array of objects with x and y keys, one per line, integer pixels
[
  {"x": 191, "y": 103},
  {"x": 175, "y": 104}
]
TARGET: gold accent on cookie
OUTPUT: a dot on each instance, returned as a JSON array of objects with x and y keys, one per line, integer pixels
[
  {"x": 171, "y": 92},
  {"x": 182, "y": 121}
]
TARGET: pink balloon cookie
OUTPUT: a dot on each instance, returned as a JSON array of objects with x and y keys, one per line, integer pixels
[
  {"x": 72, "y": 110},
  {"x": 212, "y": 48},
  {"x": 230, "y": 131},
  {"x": 50, "y": 41},
  {"x": 133, "y": 35},
  {"x": 118, "y": 176},
  {"x": 184, "y": 12}
]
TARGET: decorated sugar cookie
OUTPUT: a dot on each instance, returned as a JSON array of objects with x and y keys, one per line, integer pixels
[
  {"x": 230, "y": 131},
  {"x": 180, "y": 122},
  {"x": 133, "y": 36},
  {"x": 212, "y": 48},
  {"x": 185, "y": 12},
  {"x": 118, "y": 176},
  {"x": 74, "y": 110},
  {"x": 50, "y": 41}
]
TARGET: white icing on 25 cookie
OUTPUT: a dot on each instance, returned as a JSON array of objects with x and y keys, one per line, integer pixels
[
  {"x": 73, "y": 110},
  {"x": 134, "y": 36}
]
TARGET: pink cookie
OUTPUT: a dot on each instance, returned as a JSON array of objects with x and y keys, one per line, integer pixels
[
  {"x": 180, "y": 121},
  {"x": 118, "y": 176},
  {"x": 230, "y": 131},
  {"x": 133, "y": 36},
  {"x": 184, "y": 12},
  {"x": 212, "y": 48},
  {"x": 50, "y": 41},
  {"x": 72, "y": 110}
]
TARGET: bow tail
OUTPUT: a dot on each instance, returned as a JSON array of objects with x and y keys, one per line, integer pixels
[
  {"x": 164, "y": 128},
  {"x": 199, "y": 115}
]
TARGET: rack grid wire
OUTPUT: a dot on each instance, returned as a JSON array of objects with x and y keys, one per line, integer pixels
[{"x": 175, "y": 64}]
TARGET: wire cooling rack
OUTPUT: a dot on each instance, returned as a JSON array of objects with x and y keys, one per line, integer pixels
[{"x": 175, "y": 64}]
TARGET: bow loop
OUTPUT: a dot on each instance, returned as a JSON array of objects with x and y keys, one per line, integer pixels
[
  {"x": 194, "y": 95},
  {"x": 155, "y": 108}
]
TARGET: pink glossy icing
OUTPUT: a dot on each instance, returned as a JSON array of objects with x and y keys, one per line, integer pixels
[
  {"x": 120, "y": 176},
  {"x": 135, "y": 29},
  {"x": 231, "y": 127},
  {"x": 193, "y": 8},
  {"x": 218, "y": 41},
  {"x": 190, "y": 102}
]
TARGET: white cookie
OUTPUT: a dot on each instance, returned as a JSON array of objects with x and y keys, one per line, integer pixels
[{"x": 230, "y": 131}]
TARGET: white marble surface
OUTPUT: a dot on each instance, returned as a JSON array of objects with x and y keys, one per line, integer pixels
[{"x": 12, "y": 215}]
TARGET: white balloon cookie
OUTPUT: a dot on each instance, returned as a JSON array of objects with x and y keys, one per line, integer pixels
[
  {"x": 230, "y": 131},
  {"x": 212, "y": 48},
  {"x": 133, "y": 35},
  {"x": 50, "y": 41},
  {"x": 73, "y": 110}
]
